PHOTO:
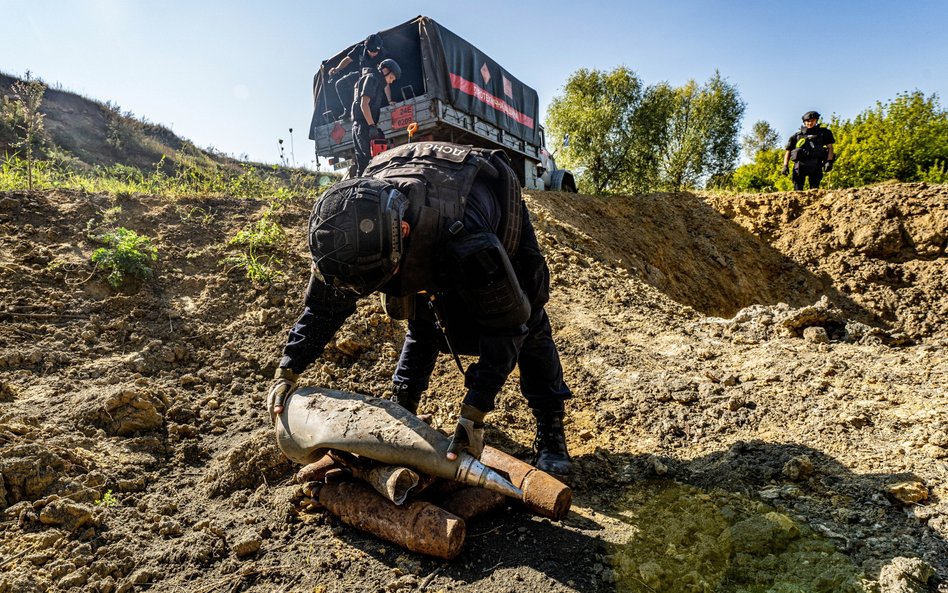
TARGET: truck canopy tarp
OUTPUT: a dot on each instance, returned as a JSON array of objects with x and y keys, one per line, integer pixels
[{"x": 437, "y": 62}]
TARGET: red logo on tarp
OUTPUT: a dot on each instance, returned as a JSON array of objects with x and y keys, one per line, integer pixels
[
  {"x": 402, "y": 116},
  {"x": 469, "y": 88},
  {"x": 508, "y": 87},
  {"x": 337, "y": 133},
  {"x": 485, "y": 74}
]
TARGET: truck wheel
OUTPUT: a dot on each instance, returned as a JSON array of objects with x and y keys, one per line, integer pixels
[{"x": 562, "y": 180}]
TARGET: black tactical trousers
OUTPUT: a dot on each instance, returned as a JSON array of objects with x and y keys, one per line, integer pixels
[
  {"x": 803, "y": 170},
  {"x": 541, "y": 374},
  {"x": 362, "y": 136}
]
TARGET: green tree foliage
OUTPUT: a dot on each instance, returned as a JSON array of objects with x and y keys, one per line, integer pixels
[
  {"x": 628, "y": 137},
  {"x": 762, "y": 175},
  {"x": 762, "y": 136},
  {"x": 607, "y": 117},
  {"x": 905, "y": 140},
  {"x": 702, "y": 134}
]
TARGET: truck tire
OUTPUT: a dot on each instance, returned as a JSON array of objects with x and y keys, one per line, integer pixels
[{"x": 562, "y": 180}]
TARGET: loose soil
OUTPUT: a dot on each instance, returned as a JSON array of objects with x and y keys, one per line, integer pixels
[{"x": 760, "y": 403}]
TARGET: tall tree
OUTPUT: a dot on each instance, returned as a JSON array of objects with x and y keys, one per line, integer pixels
[
  {"x": 612, "y": 123},
  {"x": 702, "y": 134},
  {"x": 762, "y": 136}
]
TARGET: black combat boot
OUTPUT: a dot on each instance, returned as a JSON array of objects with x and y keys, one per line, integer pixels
[
  {"x": 402, "y": 397},
  {"x": 550, "y": 446}
]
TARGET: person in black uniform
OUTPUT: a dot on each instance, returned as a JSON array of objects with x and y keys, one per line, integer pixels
[
  {"x": 442, "y": 231},
  {"x": 366, "y": 107},
  {"x": 811, "y": 150},
  {"x": 366, "y": 56}
]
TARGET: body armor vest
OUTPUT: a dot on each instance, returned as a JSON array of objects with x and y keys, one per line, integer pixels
[{"x": 437, "y": 178}]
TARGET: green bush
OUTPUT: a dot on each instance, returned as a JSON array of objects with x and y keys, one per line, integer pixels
[
  {"x": 126, "y": 253},
  {"x": 763, "y": 175},
  {"x": 903, "y": 140}
]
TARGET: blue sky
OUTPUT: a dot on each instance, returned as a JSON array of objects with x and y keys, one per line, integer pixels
[{"x": 237, "y": 75}]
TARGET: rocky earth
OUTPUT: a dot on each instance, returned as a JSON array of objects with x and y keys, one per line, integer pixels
[{"x": 760, "y": 402}]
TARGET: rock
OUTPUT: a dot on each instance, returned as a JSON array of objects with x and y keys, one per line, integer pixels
[
  {"x": 798, "y": 468},
  {"x": 252, "y": 462},
  {"x": 658, "y": 467},
  {"x": 736, "y": 402},
  {"x": 821, "y": 314},
  {"x": 762, "y": 534},
  {"x": 69, "y": 515},
  {"x": 247, "y": 545},
  {"x": 77, "y": 578},
  {"x": 9, "y": 203},
  {"x": 350, "y": 346},
  {"x": 29, "y": 470},
  {"x": 816, "y": 335},
  {"x": 685, "y": 396},
  {"x": 124, "y": 412},
  {"x": 909, "y": 492},
  {"x": 905, "y": 575},
  {"x": 7, "y": 392},
  {"x": 142, "y": 576}
]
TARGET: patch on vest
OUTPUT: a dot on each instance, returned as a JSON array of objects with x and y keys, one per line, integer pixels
[{"x": 440, "y": 150}]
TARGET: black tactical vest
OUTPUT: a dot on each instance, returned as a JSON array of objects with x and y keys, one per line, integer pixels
[{"x": 437, "y": 178}]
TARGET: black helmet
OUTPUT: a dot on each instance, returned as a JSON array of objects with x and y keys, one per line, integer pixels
[
  {"x": 811, "y": 115},
  {"x": 392, "y": 66},
  {"x": 355, "y": 234},
  {"x": 373, "y": 42}
]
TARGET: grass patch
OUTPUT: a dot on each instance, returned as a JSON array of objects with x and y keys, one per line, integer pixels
[
  {"x": 166, "y": 179},
  {"x": 264, "y": 235}
]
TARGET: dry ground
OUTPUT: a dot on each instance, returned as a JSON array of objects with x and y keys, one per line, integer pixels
[{"x": 733, "y": 430}]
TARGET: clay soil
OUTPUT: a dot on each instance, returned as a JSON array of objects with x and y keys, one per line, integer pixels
[{"x": 760, "y": 403}]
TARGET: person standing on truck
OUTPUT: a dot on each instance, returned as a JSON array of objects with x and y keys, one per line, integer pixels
[
  {"x": 442, "y": 231},
  {"x": 367, "y": 56},
  {"x": 811, "y": 150},
  {"x": 366, "y": 108}
]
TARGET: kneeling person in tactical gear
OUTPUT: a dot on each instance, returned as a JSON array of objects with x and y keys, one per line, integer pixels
[
  {"x": 811, "y": 150},
  {"x": 442, "y": 232}
]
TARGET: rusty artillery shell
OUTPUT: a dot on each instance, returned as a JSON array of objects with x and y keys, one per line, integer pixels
[
  {"x": 468, "y": 502},
  {"x": 543, "y": 494},
  {"x": 417, "y": 526},
  {"x": 317, "y": 470}
]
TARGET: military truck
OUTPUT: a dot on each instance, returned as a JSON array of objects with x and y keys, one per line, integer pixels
[{"x": 448, "y": 91}]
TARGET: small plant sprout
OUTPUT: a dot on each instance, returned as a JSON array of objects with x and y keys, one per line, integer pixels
[{"x": 108, "y": 500}]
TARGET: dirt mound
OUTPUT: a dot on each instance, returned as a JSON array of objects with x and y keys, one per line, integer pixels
[
  {"x": 883, "y": 247},
  {"x": 729, "y": 427}
]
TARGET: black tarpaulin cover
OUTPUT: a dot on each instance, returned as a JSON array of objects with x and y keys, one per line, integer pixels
[{"x": 437, "y": 62}]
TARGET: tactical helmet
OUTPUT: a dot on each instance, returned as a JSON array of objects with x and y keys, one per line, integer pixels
[
  {"x": 355, "y": 234},
  {"x": 392, "y": 66},
  {"x": 811, "y": 115},
  {"x": 373, "y": 42}
]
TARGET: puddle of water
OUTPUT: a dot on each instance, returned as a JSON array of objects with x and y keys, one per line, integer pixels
[{"x": 687, "y": 540}]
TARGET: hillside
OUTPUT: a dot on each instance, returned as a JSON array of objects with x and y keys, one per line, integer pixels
[
  {"x": 733, "y": 430},
  {"x": 82, "y": 133}
]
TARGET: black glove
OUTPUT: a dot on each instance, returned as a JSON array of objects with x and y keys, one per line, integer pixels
[
  {"x": 375, "y": 133},
  {"x": 827, "y": 166},
  {"x": 785, "y": 170},
  {"x": 469, "y": 433},
  {"x": 283, "y": 385}
]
